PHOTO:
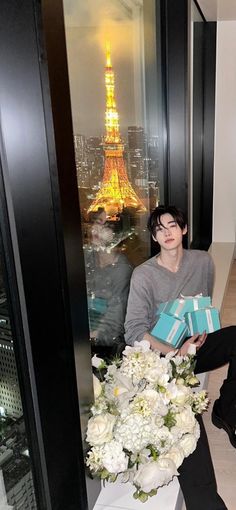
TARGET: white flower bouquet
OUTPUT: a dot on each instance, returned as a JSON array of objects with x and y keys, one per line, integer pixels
[{"x": 143, "y": 420}]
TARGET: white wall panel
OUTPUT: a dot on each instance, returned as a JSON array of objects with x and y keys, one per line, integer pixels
[{"x": 224, "y": 206}]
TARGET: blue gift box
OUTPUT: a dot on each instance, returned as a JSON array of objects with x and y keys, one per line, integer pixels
[
  {"x": 179, "y": 307},
  {"x": 170, "y": 330},
  {"x": 98, "y": 304},
  {"x": 97, "y": 307},
  {"x": 203, "y": 320}
]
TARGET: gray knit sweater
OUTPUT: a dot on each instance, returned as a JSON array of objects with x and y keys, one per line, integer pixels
[{"x": 152, "y": 284}]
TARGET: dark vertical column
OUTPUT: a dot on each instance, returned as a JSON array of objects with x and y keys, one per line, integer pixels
[
  {"x": 204, "y": 58},
  {"x": 197, "y": 128},
  {"x": 208, "y": 133},
  {"x": 175, "y": 55}
]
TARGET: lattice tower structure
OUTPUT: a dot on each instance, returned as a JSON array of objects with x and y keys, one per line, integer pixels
[{"x": 116, "y": 192}]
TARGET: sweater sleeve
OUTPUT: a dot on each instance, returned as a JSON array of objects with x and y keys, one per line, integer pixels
[
  {"x": 139, "y": 308},
  {"x": 111, "y": 325}
]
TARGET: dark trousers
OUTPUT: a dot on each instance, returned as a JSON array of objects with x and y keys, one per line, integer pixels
[
  {"x": 197, "y": 478},
  {"x": 219, "y": 349}
]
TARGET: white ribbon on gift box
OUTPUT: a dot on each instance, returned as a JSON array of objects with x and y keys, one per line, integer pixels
[
  {"x": 174, "y": 330},
  {"x": 191, "y": 297},
  {"x": 190, "y": 324},
  {"x": 209, "y": 320}
]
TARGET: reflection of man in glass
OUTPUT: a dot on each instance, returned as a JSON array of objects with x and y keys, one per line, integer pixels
[{"x": 108, "y": 274}]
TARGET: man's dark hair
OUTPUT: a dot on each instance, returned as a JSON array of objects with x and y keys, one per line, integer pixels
[{"x": 155, "y": 217}]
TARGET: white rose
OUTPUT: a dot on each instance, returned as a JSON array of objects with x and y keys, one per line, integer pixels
[
  {"x": 185, "y": 420},
  {"x": 192, "y": 380},
  {"x": 154, "y": 474},
  {"x": 181, "y": 396},
  {"x": 97, "y": 387},
  {"x": 188, "y": 443},
  {"x": 100, "y": 429},
  {"x": 176, "y": 453}
]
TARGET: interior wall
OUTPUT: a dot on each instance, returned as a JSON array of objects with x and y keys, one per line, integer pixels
[{"x": 224, "y": 202}]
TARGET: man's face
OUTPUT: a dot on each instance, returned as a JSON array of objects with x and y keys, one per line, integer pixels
[{"x": 169, "y": 234}]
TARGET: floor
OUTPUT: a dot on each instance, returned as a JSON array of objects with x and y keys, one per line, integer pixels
[{"x": 223, "y": 454}]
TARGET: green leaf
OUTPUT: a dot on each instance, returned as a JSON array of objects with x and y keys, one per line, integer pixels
[
  {"x": 104, "y": 474},
  {"x": 143, "y": 496},
  {"x": 153, "y": 492},
  {"x": 113, "y": 477},
  {"x": 136, "y": 494},
  {"x": 169, "y": 419}
]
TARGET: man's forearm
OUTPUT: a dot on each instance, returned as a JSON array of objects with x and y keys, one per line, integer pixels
[{"x": 156, "y": 344}]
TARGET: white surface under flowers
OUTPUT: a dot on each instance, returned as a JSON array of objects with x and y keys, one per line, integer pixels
[{"x": 143, "y": 421}]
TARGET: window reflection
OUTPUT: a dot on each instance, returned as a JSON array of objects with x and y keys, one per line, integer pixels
[
  {"x": 108, "y": 274},
  {"x": 111, "y": 47},
  {"x": 16, "y": 483}
]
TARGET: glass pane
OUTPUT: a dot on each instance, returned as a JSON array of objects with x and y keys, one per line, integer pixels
[
  {"x": 16, "y": 483},
  {"x": 115, "y": 88}
]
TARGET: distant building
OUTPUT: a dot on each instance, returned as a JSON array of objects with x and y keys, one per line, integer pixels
[
  {"x": 137, "y": 155},
  {"x": 21, "y": 495},
  {"x": 16, "y": 469},
  {"x": 10, "y": 398},
  {"x": 153, "y": 158},
  {"x": 3, "y": 498},
  {"x": 95, "y": 159}
]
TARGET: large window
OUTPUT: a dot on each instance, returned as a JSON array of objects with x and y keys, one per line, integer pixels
[{"x": 115, "y": 83}]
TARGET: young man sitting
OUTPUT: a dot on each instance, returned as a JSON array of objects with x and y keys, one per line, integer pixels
[{"x": 172, "y": 273}]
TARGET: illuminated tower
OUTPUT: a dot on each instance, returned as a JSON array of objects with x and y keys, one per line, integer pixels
[{"x": 116, "y": 191}]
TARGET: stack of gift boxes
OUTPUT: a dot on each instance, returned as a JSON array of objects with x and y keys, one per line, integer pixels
[{"x": 184, "y": 317}]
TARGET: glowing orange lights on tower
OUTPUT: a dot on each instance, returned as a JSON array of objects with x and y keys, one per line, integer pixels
[{"x": 116, "y": 191}]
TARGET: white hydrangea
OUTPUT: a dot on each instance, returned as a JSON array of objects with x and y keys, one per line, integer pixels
[
  {"x": 114, "y": 458},
  {"x": 134, "y": 433}
]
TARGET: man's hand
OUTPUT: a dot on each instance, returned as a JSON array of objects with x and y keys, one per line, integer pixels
[{"x": 197, "y": 340}]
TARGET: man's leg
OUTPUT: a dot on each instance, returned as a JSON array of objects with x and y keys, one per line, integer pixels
[
  {"x": 219, "y": 349},
  {"x": 197, "y": 478}
]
